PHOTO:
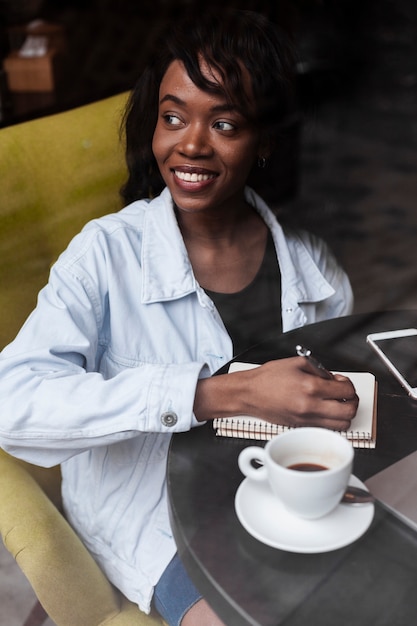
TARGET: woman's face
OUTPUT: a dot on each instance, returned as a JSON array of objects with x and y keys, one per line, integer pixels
[{"x": 204, "y": 147}]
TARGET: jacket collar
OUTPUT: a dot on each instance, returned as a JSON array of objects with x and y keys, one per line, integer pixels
[
  {"x": 300, "y": 275},
  {"x": 167, "y": 269}
]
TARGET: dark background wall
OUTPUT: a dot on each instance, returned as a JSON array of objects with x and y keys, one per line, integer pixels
[{"x": 347, "y": 170}]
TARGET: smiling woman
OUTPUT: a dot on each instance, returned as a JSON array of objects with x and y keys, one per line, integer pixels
[
  {"x": 204, "y": 147},
  {"x": 246, "y": 61},
  {"x": 145, "y": 304}
]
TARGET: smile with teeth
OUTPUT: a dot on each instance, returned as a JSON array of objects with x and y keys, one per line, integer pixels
[{"x": 193, "y": 177}]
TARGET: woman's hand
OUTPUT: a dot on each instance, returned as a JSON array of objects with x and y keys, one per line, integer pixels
[
  {"x": 286, "y": 391},
  {"x": 289, "y": 391}
]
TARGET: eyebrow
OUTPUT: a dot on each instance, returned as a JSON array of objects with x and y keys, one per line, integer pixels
[{"x": 217, "y": 108}]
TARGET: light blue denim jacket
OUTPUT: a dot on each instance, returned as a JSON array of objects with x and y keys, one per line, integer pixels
[{"x": 105, "y": 369}]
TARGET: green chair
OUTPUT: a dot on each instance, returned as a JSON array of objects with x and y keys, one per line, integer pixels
[{"x": 56, "y": 172}]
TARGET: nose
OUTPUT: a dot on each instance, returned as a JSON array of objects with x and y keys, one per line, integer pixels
[{"x": 195, "y": 141}]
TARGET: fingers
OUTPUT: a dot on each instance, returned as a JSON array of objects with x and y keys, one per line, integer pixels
[
  {"x": 333, "y": 414},
  {"x": 310, "y": 400},
  {"x": 339, "y": 388}
]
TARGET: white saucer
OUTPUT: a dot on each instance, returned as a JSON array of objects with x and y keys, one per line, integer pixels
[{"x": 266, "y": 519}]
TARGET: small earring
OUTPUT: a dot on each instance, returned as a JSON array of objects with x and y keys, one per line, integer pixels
[{"x": 261, "y": 162}]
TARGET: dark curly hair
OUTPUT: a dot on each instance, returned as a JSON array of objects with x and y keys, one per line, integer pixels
[{"x": 226, "y": 40}]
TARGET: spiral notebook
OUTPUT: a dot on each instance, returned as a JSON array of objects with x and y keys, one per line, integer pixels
[{"x": 362, "y": 433}]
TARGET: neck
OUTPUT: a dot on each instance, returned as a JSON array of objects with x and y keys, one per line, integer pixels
[
  {"x": 225, "y": 253},
  {"x": 220, "y": 229}
]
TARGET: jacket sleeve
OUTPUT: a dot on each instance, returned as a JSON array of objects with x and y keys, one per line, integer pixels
[{"x": 55, "y": 402}]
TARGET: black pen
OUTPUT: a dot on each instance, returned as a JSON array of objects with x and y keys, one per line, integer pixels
[{"x": 321, "y": 370}]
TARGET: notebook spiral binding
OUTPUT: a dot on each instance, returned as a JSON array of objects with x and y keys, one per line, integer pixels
[{"x": 263, "y": 431}]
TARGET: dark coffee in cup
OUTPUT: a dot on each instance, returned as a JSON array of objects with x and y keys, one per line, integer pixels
[{"x": 307, "y": 467}]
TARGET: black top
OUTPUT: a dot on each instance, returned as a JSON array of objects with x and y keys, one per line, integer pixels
[{"x": 252, "y": 313}]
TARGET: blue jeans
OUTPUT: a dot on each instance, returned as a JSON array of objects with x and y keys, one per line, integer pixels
[{"x": 175, "y": 593}]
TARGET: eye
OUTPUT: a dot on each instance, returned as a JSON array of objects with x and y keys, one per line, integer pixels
[
  {"x": 224, "y": 126},
  {"x": 171, "y": 119}
]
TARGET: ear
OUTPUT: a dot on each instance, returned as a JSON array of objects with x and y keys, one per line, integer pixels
[{"x": 266, "y": 147}]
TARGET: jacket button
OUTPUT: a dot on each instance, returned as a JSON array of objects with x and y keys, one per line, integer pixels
[{"x": 169, "y": 418}]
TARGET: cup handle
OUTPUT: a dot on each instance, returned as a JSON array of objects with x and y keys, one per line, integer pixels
[{"x": 249, "y": 454}]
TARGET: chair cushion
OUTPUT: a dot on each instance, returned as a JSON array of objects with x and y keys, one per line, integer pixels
[
  {"x": 66, "y": 579},
  {"x": 57, "y": 173}
]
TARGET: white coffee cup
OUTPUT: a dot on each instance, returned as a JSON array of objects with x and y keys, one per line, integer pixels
[{"x": 308, "y": 494}]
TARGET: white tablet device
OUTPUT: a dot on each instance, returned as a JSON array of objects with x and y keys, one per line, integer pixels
[{"x": 398, "y": 350}]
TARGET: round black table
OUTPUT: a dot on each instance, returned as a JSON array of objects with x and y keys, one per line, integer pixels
[{"x": 372, "y": 581}]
